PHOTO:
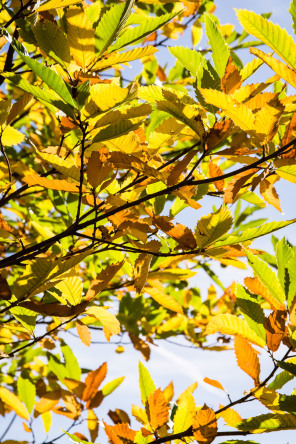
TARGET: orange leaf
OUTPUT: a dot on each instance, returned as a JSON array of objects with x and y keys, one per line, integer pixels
[
  {"x": 214, "y": 383},
  {"x": 247, "y": 358},
  {"x": 234, "y": 186},
  {"x": 157, "y": 409},
  {"x": 205, "y": 426},
  {"x": 83, "y": 333},
  {"x": 179, "y": 168},
  {"x": 93, "y": 381},
  {"x": 215, "y": 171},
  {"x": 232, "y": 79},
  {"x": 219, "y": 132},
  {"x": 269, "y": 194},
  {"x": 141, "y": 270},
  {"x": 256, "y": 287},
  {"x": 102, "y": 280},
  {"x": 290, "y": 134},
  {"x": 178, "y": 232},
  {"x": 52, "y": 184},
  {"x": 47, "y": 402},
  {"x": 97, "y": 171},
  {"x": 275, "y": 326}
]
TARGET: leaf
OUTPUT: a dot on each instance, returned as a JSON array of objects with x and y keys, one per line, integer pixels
[
  {"x": 51, "y": 184},
  {"x": 192, "y": 60},
  {"x": 112, "y": 385},
  {"x": 110, "y": 324},
  {"x": 53, "y": 41},
  {"x": 232, "y": 325},
  {"x": 239, "y": 113},
  {"x": 231, "y": 418},
  {"x": 111, "y": 24},
  {"x": 269, "y": 194},
  {"x": 11, "y": 136},
  {"x": 164, "y": 299},
  {"x": 81, "y": 36},
  {"x": 115, "y": 130},
  {"x": 51, "y": 78},
  {"x": 93, "y": 381},
  {"x": 275, "y": 326},
  {"x": 26, "y": 390},
  {"x": 256, "y": 287},
  {"x": 103, "y": 278},
  {"x": 214, "y": 383},
  {"x": 268, "y": 423},
  {"x": 220, "y": 50},
  {"x": 71, "y": 363},
  {"x": 92, "y": 424},
  {"x": 178, "y": 232},
  {"x": 247, "y": 359},
  {"x": 292, "y": 11},
  {"x": 211, "y": 227},
  {"x": 287, "y": 172},
  {"x": 288, "y": 366},
  {"x": 54, "y": 4},
  {"x": 185, "y": 414},
  {"x": 236, "y": 183},
  {"x": 63, "y": 166},
  {"x": 14, "y": 403},
  {"x": 146, "y": 384},
  {"x": 267, "y": 277},
  {"x": 271, "y": 35},
  {"x": 135, "y": 34},
  {"x": 71, "y": 289},
  {"x": 205, "y": 425},
  {"x": 253, "y": 233},
  {"x": 232, "y": 79},
  {"x": 196, "y": 32},
  {"x": 123, "y": 57},
  {"x": 83, "y": 333},
  {"x": 141, "y": 270},
  {"x": 251, "y": 311},
  {"x": 47, "y": 402},
  {"x": 157, "y": 409}
]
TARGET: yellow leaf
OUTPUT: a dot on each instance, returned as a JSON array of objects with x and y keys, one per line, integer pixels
[
  {"x": 196, "y": 32},
  {"x": 55, "y": 4},
  {"x": 110, "y": 324},
  {"x": 211, "y": 227},
  {"x": 80, "y": 35},
  {"x": 14, "y": 403},
  {"x": 287, "y": 172},
  {"x": 269, "y": 398},
  {"x": 11, "y": 136},
  {"x": 230, "y": 416},
  {"x": 167, "y": 301},
  {"x": 267, "y": 121},
  {"x": 83, "y": 333},
  {"x": 47, "y": 402},
  {"x": 92, "y": 424},
  {"x": 116, "y": 58},
  {"x": 247, "y": 358},
  {"x": 71, "y": 289},
  {"x": 128, "y": 144},
  {"x": 104, "y": 97},
  {"x": 239, "y": 113},
  {"x": 46, "y": 418},
  {"x": 185, "y": 414},
  {"x": 256, "y": 287},
  {"x": 229, "y": 324}
]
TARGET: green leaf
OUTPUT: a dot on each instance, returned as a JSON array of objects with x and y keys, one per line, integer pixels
[
  {"x": 57, "y": 367},
  {"x": 268, "y": 423},
  {"x": 71, "y": 288},
  {"x": 292, "y": 11},
  {"x": 191, "y": 59},
  {"x": 220, "y": 50},
  {"x": 111, "y": 386},
  {"x": 115, "y": 130},
  {"x": 253, "y": 233},
  {"x": 288, "y": 366},
  {"x": 35, "y": 274},
  {"x": 287, "y": 403},
  {"x": 146, "y": 384},
  {"x": 76, "y": 439},
  {"x": 46, "y": 97},
  {"x": 26, "y": 390},
  {"x": 53, "y": 41},
  {"x": 280, "y": 380},
  {"x": 283, "y": 255},
  {"x": 51, "y": 78},
  {"x": 292, "y": 281},
  {"x": 110, "y": 25},
  {"x": 71, "y": 364},
  {"x": 134, "y": 35},
  {"x": 272, "y": 35},
  {"x": 267, "y": 277},
  {"x": 251, "y": 311}
]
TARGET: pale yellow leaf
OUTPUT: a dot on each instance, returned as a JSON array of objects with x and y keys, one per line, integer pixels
[
  {"x": 11, "y": 136},
  {"x": 110, "y": 324},
  {"x": 167, "y": 301},
  {"x": 54, "y": 4},
  {"x": 14, "y": 403}
]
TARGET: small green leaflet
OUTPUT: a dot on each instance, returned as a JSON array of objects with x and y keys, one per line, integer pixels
[
  {"x": 26, "y": 390},
  {"x": 191, "y": 59},
  {"x": 111, "y": 386},
  {"x": 220, "y": 50},
  {"x": 146, "y": 384}
]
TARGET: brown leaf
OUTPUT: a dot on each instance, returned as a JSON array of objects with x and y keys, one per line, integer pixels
[
  {"x": 93, "y": 381},
  {"x": 119, "y": 416},
  {"x": 55, "y": 309},
  {"x": 179, "y": 168},
  {"x": 76, "y": 387},
  {"x": 290, "y": 134},
  {"x": 141, "y": 270},
  {"x": 93, "y": 425},
  {"x": 178, "y": 232},
  {"x": 269, "y": 194},
  {"x": 216, "y": 171},
  {"x": 275, "y": 326},
  {"x": 102, "y": 280},
  {"x": 186, "y": 194},
  {"x": 219, "y": 132},
  {"x": 83, "y": 333},
  {"x": 236, "y": 183},
  {"x": 232, "y": 79},
  {"x": 67, "y": 125},
  {"x": 247, "y": 358},
  {"x": 5, "y": 292},
  {"x": 157, "y": 409},
  {"x": 97, "y": 170},
  {"x": 140, "y": 345},
  {"x": 205, "y": 426}
]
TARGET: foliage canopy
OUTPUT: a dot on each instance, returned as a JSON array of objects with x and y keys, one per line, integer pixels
[{"x": 95, "y": 171}]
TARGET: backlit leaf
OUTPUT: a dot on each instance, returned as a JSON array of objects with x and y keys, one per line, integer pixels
[
  {"x": 247, "y": 358},
  {"x": 205, "y": 425},
  {"x": 110, "y": 323},
  {"x": 210, "y": 228},
  {"x": 157, "y": 409},
  {"x": 147, "y": 386},
  {"x": 220, "y": 50}
]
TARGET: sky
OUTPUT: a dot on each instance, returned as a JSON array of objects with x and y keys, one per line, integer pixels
[{"x": 178, "y": 363}]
